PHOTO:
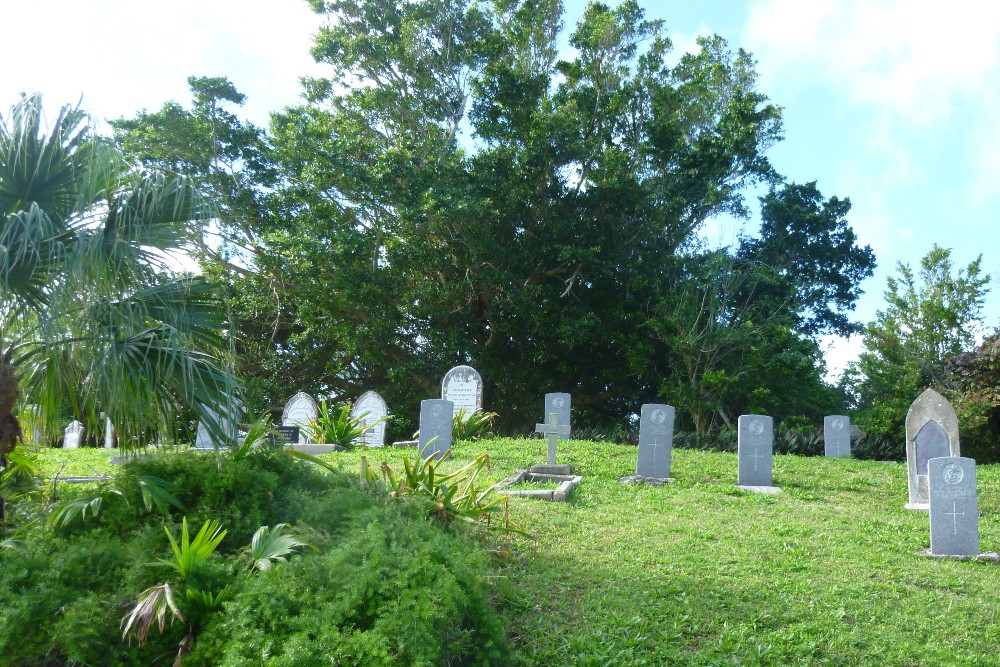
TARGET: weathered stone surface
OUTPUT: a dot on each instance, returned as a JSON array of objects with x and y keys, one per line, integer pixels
[
  {"x": 463, "y": 386},
  {"x": 72, "y": 435},
  {"x": 558, "y": 403},
  {"x": 837, "y": 436},
  {"x": 372, "y": 408},
  {"x": 931, "y": 432},
  {"x": 551, "y": 469},
  {"x": 554, "y": 427},
  {"x": 656, "y": 434},
  {"x": 652, "y": 481},
  {"x": 755, "y": 441},
  {"x": 435, "y": 427},
  {"x": 953, "y": 505}
]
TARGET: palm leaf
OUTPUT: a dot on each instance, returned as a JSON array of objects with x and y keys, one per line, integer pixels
[
  {"x": 159, "y": 493},
  {"x": 271, "y": 544},
  {"x": 69, "y": 511},
  {"x": 151, "y": 607}
]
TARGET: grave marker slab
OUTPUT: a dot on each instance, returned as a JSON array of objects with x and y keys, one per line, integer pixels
[
  {"x": 375, "y": 406},
  {"x": 299, "y": 411},
  {"x": 463, "y": 386},
  {"x": 436, "y": 417},
  {"x": 109, "y": 432},
  {"x": 953, "y": 506},
  {"x": 72, "y": 435},
  {"x": 656, "y": 434},
  {"x": 931, "y": 432},
  {"x": 837, "y": 436},
  {"x": 227, "y": 422},
  {"x": 558, "y": 403},
  {"x": 755, "y": 443},
  {"x": 553, "y": 429}
]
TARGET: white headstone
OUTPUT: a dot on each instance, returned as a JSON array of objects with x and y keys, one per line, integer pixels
[
  {"x": 72, "y": 435},
  {"x": 931, "y": 432},
  {"x": 755, "y": 443},
  {"x": 299, "y": 411},
  {"x": 109, "y": 433},
  {"x": 463, "y": 386},
  {"x": 374, "y": 405},
  {"x": 228, "y": 424}
]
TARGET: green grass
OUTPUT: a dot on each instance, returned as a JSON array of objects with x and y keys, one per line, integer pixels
[{"x": 702, "y": 573}]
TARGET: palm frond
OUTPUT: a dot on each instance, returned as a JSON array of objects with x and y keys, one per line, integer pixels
[
  {"x": 272, "y": 544},
  {"x": 160, "y": 493},
  {"x": 151, "y": 607},
  {"x": 69, "y": 511}
]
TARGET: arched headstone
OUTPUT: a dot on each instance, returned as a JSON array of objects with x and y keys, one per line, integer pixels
[
  {"x": 374, "y": 405},
  {"x": 72, "y": 435},
  {"x": 931, "y": 432},
  {"x": 299, "y": 411},
  {"x": 227, "y": 419},
  {"x": 463, "y": 386}
]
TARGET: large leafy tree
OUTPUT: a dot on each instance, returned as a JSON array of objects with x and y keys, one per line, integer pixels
[{"x": 92, "y": 318}]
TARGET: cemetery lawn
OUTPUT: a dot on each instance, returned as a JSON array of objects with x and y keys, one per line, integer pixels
[{"x": 702, "y": 573}]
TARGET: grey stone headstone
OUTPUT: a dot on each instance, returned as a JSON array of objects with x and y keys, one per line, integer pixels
[
  {"x": 837, "y": 436},
  {"x": 552, "y": 429},
  {"x": 954, "y": 507},
  {"x": 755, "y": 443},
  {"x": 463, "y": 386},
  {"x": 436, "y": 416},
  {"x": 374, "y": 405},
  {"x": 558, "y": 403},
  {"x": 227, "y": 418},
  {"x": 931, "y": 432},
  {"x": 299, "y": 411},
  {"x": 72, "y": 435},
  {"x": 656, "y": 434}
]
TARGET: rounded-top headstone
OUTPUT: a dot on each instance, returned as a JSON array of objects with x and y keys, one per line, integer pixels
[
  {"x": 953, "y": 506},
  {"x": 755, "y": 442},
  {"x": 299, "y": 411},
  {"x": 463, "y": 386},
  {"x": 374, "y": 407}
]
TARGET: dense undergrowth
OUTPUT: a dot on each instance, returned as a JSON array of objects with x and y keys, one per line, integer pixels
[{"x": 384, "y": 583}]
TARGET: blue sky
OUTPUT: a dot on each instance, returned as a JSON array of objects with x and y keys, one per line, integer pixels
[{"x": 894, "y": 104}]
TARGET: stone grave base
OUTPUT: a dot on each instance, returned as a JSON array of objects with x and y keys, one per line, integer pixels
[
  {"x": 402, "y": 444},
  {"x": 561, "y": 494},
  {"x": 986, "y": 556},
  {"x": 759, "y": 489},
  {"x": 555, "y": 469},
  {"x": 920, "y": 507},
  {"x": 653, "y": 481},
  {"x": 316, "y": 449}
]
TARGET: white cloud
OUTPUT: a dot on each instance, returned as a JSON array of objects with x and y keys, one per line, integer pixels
[{"x": 839, "y": 352}]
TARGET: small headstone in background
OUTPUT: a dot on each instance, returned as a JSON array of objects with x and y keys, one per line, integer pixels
[
  {"x": 436, "y": 417},
  {"x": 755, "y": 442},
  {"x": 72, "y": 435},
  {"x": 931, "y": 432},
  {"x": 837, "y": 436},
  {"x": 375, "y": 406},
  {"x": 109, "y": 432},
  {"x": 227, "y": 423},
  {"x": 552, "y": 429},
  {"x": 463, "y": 386},
  {"x": 954, "y": 507},
  {"x": 656, "y": 434},
  {"x": 299, "y": 411}
]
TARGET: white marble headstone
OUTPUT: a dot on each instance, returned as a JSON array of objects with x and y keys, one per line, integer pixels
[
  {"x": 72, "y": 435},
  {"x": 227, "y": 424},
  {"x": 373, "y": 407},
  {"x": 299, "y": 411},
  {"x": 463, "y": 386}
]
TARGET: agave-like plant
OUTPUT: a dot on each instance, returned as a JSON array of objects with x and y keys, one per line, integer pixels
[{"x": 337, "y": 426}]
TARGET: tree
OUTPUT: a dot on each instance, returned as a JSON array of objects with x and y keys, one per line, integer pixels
[
  {"x": 90, "y": 314},
  {"x": 973, "y": 383},
  {"x": 929, "y": 317}
]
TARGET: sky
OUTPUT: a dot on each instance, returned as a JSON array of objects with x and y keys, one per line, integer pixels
[{"x": 893, "y": 104}]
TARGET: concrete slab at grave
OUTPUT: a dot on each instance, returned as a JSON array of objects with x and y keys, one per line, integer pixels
[
  {"x": 931, "y": 432},
  {"x": 560, "y": 494}
]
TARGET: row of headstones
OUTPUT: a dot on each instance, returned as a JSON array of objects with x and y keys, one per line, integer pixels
[{"x": 73, "y": 434}]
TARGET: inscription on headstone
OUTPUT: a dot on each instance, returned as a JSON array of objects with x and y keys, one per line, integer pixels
[
  {"x": 72, "y": 435},
  {"x": 656, "y": 434},
  {"x": 373, "y": 406},
  {"x": 931, "y": 432},
  {"x": 435, "y": 427},
  {"x": 954, "y": 506},
  {"x": 299, "y": 411},
  {"x": 463, "y": 386},
  {"x": 837, "y": 436},
  {"x": 755, "y": 441}
]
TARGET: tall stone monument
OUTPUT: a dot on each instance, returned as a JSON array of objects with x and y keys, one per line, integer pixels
[
  {"x": 656, "y": 434},
  {"x": 463, "y": 386},
  {"x": 931, "y": 432}
]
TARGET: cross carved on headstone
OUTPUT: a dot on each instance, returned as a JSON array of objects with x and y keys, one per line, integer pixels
[
  {"x": 756, "y": 456},
  {"x": 553, "y": 429},
  {"x": 954, "y": 514}
]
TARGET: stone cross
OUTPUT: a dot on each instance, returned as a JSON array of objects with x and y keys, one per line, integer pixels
[
  {"x": 953, "y": 506},
  {"x": 656, "y": 434},
  {"x": 553, "y": 429},
  {"x": 436, "y": 416},
  {"x": 72, "y": 435},
  {"x": 755, "y": 443},
  {"x": 931, "y": 432},
  {"x": 837, "y": 436}
]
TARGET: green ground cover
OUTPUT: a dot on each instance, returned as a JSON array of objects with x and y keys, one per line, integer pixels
[{"x": 701, "y": 573}]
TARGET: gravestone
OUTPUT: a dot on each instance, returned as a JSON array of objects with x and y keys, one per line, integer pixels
[
  {"x": 72, "y": 435},
  {"x": 299, "y": 411},
  {"x": 656, "y": 434},
  {"x": 227, "y": 423},
  {"x": 931, "y": 432},
  {"x": 463, "y": 386},
  {"x": 953, "y": 506},
  {"x": 755, "y": 443},
  {"x": 373, "y": 406},
  {"x": 436, "y": 416},
  {"x": 552, "y": 429},
  {"x": 109, "y": 432},
  {"x": 837, "y": 436},
  {"x": 558, "y": 403}
]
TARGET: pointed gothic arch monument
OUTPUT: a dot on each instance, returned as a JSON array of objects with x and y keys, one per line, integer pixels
[{"x": 931, "y": 432}]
